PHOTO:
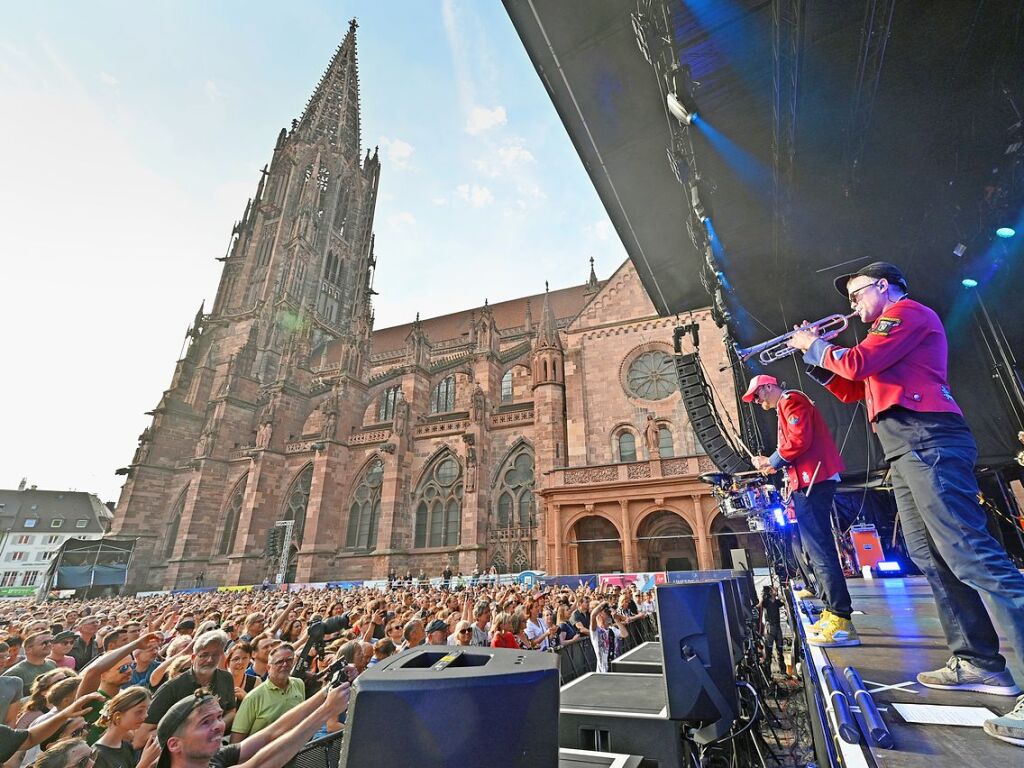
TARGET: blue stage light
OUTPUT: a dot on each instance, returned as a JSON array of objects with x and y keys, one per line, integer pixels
[
  {"x": 1006, "y": 232},
  {"x": 969, "y": 282},
  {"x": 780, "y": 516},
  {"x": 889, "y": 566}
]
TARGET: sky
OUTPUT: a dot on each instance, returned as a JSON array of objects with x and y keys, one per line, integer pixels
[{"x": 133, "y": 133}]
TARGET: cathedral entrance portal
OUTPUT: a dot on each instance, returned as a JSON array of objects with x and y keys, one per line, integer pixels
[
  {"x": 732, "y": 533},
  {"x": 599, "y": 548},
  {"x": 665, "y": 542}
]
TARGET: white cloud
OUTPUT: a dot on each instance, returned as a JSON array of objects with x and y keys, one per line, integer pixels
[
  {"x": 396, "y": 152},
  {"x": 401, "y": 219},
  {"x": 481, "y": 119},
  {"x": 211, "y": 90},
  {"x": 509, "y": 156},
  {"x": 440, "y": 201},
  {"x": 108, "y": 79},
  {"x": 474, "y": 194}
]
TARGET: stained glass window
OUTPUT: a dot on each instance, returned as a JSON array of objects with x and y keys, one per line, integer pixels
[
  {"x": 364, "y": 512},
  {"x": 515, "y": 490},
  {"x": 234, "y": 511},
  {"x": 442, "y": 399},
  {"x": 296, "y": 502},
  {"x": 665, "y": 447},
  {"x": 652, "y": 376},
  {"x": 174, "y": 523},
  {"x": 386, "y": 407},
  {"x": 627, "y": 447},
  {"x": 439, "y": 509}
]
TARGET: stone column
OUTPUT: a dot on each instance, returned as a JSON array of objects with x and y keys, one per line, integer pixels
[
  {"x": 628, "y": 558},
  {"x": 705, "y": 553}
]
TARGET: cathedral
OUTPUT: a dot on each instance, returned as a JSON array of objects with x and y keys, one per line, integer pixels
[{"x": 543, "y": 433}]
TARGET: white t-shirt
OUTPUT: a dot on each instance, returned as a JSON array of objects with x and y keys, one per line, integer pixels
[{"x": 535, "y": 629}]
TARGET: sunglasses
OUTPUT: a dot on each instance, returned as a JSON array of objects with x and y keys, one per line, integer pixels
[{"x": 466, "y": 631}]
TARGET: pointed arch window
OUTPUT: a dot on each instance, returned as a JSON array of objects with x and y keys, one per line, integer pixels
[
  {"x": 174, "y": 524},
  {"x": 665, "y": 447},
  {"x": 516, "y": 504},
  {"x": 439, "y": 504},
  {"x": 627, "y": 446},
  {"x": 364, "y": 511},
  {"x": 386, "y": 404},
  {"x": 442, "y": 399},
  {"x": 232, "y": 514},
  {"x": 506, "y": 387},
  {"x": 296, "y": 502}
]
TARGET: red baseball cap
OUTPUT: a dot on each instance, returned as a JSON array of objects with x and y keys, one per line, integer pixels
[{"x": 757, "y": 381}]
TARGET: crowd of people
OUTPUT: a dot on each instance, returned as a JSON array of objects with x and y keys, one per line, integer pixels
[{"x": 249, "y": 677}]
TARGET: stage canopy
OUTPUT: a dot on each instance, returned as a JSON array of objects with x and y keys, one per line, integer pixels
[
  {"x": 80, "y": 564},
  {"x": 828, "y": 134}
]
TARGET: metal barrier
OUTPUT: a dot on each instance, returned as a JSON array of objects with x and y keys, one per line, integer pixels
[
  {"x": 321, "y": 753},
  {"x": 577, "y": 657}
]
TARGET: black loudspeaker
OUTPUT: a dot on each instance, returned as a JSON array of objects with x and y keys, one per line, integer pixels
[
  {"x": 438, "y": 706},
  {"x": 704, "y": 419},
  {"x": 700, "y": 681}
]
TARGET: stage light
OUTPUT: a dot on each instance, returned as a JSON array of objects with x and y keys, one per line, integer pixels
[
  {"x": 780, "y": 516},
  {"x": 1006, "y": 232},
  {"x": 960, "y": 250},
  {"x": 888, "y": 568},
  {"x": 698, "y": 205},
  {"x": 678, "y": 111},
  {"x": 969, "y": 282}
]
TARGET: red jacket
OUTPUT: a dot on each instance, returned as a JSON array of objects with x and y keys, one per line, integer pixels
[
  {"x": 902, "y": 361},
  {"x": 805, "y": 442}
]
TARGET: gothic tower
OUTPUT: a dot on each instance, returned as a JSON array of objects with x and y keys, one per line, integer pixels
[{"x": 297, "y": 280}]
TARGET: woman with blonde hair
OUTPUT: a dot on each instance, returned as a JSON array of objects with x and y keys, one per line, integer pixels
[
  {"x": 69, "y": 753},
  {"x": 121, "y": 716},
  {"x": 502, "y": 632},
  {"x": 35, "y": 705}
]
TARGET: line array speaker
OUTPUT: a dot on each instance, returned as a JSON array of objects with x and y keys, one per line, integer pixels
[{"x": 704, "y": 417}]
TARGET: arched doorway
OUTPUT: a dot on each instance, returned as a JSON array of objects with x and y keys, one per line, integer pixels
[
  {"x": 732, "y": 533},
  {"x": 665, "y": 542},
  {"x": 599, "y": 548}
]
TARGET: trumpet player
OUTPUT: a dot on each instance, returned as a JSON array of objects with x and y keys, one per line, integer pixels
[
  {"x": 899, "y": 370},
  {"x": 812, "y": 463}
]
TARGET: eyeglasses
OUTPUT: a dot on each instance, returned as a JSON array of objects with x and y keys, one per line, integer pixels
[
  {"x": 467, "y": 631},
  {"x": 855, "y": 295},
  {"x": 282, "y": 663}
]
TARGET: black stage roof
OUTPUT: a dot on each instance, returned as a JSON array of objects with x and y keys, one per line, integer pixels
[{"x": 902, "y": 117}]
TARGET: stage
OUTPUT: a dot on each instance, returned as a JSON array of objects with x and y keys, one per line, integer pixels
[{"x": 901, "y": 636}]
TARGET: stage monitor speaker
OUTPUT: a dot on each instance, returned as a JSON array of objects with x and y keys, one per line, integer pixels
[
  {"x": 704, "y": 418},
  {"x": 700, "y": 681},
  {"x": 438, "y": 706},
  {"x": 740, "y": 559}
]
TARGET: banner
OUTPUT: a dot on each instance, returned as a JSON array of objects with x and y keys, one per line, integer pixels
[
  {"x": 17, "y": 591},
  {"x": 645, "y": 582}
]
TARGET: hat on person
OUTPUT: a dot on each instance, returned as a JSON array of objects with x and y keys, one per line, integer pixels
[
  {"x": 174, "y": 718},
  {"x": 184, "y": 625},
  {"x": 755, "y": 383},
  {"x": 60, "y": 637},
  {"x": 879, "y": 270},
  {"x": 437, "y": 626}
]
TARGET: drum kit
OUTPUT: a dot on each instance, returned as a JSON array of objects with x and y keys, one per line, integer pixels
[{"x": 749, "y": 495}]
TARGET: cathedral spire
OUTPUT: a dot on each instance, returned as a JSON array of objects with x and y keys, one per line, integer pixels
[
  {"x": 332, "y": 113},
  {"x": 547, "y": 334},
  {"x": 592, "y": 285}
]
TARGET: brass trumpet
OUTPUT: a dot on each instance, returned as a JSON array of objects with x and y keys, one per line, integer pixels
[{"x": 777, "y": 349}]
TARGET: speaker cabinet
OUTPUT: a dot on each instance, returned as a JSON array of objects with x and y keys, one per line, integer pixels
[{"x": 704, "y": 418}]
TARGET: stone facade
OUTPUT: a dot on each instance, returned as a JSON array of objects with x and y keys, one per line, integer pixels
[{"x": 544, "y": 432}]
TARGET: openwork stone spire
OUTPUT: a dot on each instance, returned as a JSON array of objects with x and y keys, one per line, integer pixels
[{"x": 332, "y": 113}]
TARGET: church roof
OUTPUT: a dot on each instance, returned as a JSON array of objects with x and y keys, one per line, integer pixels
[{"x": 565, "y": 304}]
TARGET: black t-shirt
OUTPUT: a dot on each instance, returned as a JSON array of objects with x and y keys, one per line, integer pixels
[
  {"x": 111, "y": 757},
  {"x": 11, "y": 740},
  {"x": 771, "y": 606},
  {"x": 581, "y": 618},
  {"x": 226, "y": 756},
  {"x": 183, "y": 686}
]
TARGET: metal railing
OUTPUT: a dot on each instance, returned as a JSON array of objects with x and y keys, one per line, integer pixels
[{"x": 577, "y": 657}]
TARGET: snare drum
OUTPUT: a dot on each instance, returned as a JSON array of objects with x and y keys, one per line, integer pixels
[{"x": 733, "y": 506}]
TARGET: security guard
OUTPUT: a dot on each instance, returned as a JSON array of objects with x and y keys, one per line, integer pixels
[
  {"x": 899, "y": 370},
  {"x": 812, "y": 462}
]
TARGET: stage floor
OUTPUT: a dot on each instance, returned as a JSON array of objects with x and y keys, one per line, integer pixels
[{"x": 901, "y": 636}]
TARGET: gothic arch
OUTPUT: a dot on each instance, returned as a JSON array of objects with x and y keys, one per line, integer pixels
[
  {"x": 441, "y": 449},
  {"x": 174, "y": 523},
  {"x": 231, "y": 513},
  {"x": 437, "y": 502},
  {"x": 364, "y": 505},
  {"x": 520, "y": 442},
  {"x": 296, "y": 501},
  {"x": 513, "y": 501}
]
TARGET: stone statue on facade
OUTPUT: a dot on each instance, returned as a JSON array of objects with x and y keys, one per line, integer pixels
[
  {"x": 400, "y": 419},
  {"x": 263, "y": 434},
  {"x": 652, "y": 437},
  {"x": 478, "y": 405}
]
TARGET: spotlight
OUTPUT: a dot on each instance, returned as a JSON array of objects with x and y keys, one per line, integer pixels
[
  {"x": 969, "y": 282},
  {"x": 960, "y": 250},
  {"x": 1006, "y": 232},
  {"x": 679, "y": 112},
  {"x": 698, "y": 205},
  {"x": 779, "y": 514},
  {"x": 888, "y": 568}
]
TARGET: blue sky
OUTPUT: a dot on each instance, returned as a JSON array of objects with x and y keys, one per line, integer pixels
[{"x": 133, "y": 134}]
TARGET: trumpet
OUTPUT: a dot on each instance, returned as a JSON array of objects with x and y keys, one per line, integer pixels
[{"x": 777, "y": 349}]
